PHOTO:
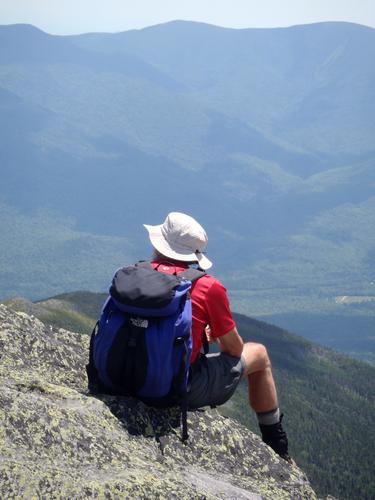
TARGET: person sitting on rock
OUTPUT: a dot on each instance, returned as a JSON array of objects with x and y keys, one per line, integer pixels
[{"x": 178, "y": 243}]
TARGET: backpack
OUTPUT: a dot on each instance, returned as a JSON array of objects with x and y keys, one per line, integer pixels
[{"x": 142, "y": 343}]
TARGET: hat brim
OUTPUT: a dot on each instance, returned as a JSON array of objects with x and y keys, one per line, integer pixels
[{"x": 176, "y": 252}]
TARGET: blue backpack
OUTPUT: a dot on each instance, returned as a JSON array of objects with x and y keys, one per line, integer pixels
[{"x": 141, "y": 345}]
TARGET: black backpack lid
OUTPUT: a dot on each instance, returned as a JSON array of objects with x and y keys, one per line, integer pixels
[{"x": 142, "y": 286}]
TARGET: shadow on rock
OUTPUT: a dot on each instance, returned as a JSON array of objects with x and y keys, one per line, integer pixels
[{"x": 141, "y": 420}]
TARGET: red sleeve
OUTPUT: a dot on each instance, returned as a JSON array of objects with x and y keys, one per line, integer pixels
[{"x": 218, "y": 310}]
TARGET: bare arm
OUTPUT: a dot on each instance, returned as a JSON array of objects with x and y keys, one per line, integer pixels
[{"x": 231, "y": 343}]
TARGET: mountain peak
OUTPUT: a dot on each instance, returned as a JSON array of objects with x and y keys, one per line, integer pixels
[
  {"x": 22, "y": 28},
  {"x": 109, "y": 446}
]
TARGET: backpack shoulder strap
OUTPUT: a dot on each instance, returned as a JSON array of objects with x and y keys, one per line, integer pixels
[
  {"x": 191, "y": 274},
  {"x": 145, "y": 264}
]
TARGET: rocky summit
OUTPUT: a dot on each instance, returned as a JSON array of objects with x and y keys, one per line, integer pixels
[{"x": 57, "y": 441}]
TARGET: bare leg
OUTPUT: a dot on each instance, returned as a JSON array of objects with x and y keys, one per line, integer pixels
[
  {"x": 263, "y": 397},
  {"x": 262, "y": 390}
]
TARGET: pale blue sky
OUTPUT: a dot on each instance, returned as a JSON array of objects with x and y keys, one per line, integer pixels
[{"x": 81, "y": 16}]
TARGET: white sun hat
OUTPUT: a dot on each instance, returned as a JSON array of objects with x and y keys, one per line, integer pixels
[{"x": 181, "y": 238}]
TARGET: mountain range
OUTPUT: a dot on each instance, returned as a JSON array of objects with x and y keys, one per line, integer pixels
[{"x": 266, "y": 136}]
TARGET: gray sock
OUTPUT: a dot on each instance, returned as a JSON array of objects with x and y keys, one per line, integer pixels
[{"x": 269, "y": 417}]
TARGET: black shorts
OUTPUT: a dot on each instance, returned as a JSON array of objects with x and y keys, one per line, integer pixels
[{"x": 214, "y": 378}]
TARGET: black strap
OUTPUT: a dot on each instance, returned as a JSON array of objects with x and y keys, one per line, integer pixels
[
  {"x": 145, "y": 264},
  {"x": 92, "y": 374},
  {"x": 129, "y": 365},
  {"x": 191, "y": 274},
  {"x": 184, "y": 406},
  {"x": 184, "y": 402},
  {"x": 205, "y": 343}
]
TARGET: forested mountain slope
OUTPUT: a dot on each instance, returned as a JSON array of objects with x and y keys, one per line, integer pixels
[{"x": 266, "y": 136}]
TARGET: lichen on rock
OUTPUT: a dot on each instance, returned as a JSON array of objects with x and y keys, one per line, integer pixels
[{"x": 57, "y": 441}]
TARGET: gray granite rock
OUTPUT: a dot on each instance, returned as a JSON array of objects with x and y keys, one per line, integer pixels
[{"x": 57, "y": 441}]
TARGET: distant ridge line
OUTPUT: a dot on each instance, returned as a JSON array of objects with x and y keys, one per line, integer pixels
[{"x": 186, "y": 22}]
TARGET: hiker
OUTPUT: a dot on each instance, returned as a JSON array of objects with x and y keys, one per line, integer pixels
[{"x": 178, "y": 243}]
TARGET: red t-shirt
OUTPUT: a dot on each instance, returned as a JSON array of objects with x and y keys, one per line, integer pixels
[{"x": 210, "y": 305}]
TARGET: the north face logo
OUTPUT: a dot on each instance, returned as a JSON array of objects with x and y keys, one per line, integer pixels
[{"x": 139, "y": 322}]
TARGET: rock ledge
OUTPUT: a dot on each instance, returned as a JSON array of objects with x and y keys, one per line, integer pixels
[{"x": 56, "y": 441}]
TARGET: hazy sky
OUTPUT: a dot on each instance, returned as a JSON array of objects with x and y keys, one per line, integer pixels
[{"x": 80, "y": 16}]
